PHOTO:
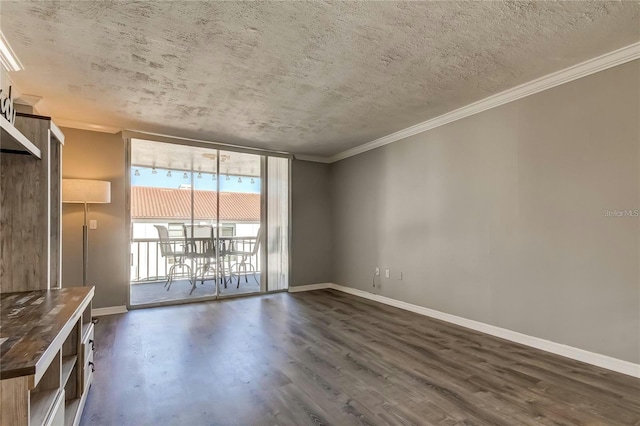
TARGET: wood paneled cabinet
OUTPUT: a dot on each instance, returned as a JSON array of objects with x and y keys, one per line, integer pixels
[
  {"x": 46, "y": 333},
  {"x": 45, "y": 372},
  {"x": 30, "y": 204}
]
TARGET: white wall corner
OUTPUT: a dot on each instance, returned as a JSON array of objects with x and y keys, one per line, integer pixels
[
  {"x": 111, "y": 310},
  {"x": 599, "y": 360}
]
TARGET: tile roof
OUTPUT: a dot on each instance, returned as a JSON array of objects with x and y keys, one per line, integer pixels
[{"x": 169, "y": 203}]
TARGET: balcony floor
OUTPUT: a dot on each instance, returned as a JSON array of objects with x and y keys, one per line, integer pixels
[{"x": 155, "y": 292}]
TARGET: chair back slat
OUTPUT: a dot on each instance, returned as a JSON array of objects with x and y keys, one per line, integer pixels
[
  {"x": 202, "y": 233},
  {"x": 166, "y": 249}
]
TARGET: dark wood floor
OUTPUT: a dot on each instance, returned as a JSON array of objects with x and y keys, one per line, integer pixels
[{"x": 325, "y": 357}]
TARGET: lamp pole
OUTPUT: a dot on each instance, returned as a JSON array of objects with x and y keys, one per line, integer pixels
[
  {"x": 85, "y": 192},
  {"x": 85, "y": 247}
]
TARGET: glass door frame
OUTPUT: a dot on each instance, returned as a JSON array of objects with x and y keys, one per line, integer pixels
[{"x": 264, "y": 154}]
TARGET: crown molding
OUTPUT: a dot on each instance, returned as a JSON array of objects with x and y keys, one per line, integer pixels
[
  {"x": 8, "y": 58},
  {"x": 314, "y": 158},
  {"x": 29, "y": 100},
  {"x": 72, "y": 124},
  {"x": 583, "y": 69}
]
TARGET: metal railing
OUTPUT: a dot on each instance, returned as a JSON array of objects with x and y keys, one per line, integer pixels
[{"x": 148, "y": 264}]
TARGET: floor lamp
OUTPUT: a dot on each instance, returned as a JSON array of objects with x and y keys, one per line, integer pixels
[{"x": 81, "y": 191}]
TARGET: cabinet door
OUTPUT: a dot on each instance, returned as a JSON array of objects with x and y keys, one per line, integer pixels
[{"x": 24, "y": 217}]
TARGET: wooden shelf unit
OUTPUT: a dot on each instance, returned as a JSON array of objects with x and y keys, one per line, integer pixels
[
  {"x": 31, "y": 199},
  {"x": 44, "y": 370},
  {"x": 41, "y": 404},
  {"x": 12, "y": 140},
  {"x": 47, "y": 382},
  {"x": 68, "y": 364}
]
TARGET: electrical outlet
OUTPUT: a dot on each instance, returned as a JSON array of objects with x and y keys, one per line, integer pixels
[
  {"x": 387, "y": 273},
  {"x": 377, "y": 271}
]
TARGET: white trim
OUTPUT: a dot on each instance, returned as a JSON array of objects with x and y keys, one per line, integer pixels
[
  {"x": 57, "y": 132},
  {"x": 601, "y": 63},
  {"x": 8, "y": 58},
  {"x": 111, "y": 310},
  {"x": 314, "y": 158},
  {"x": 604, "y": 361},
  {"x": 73, "y": 124},
  {"x": 583, "y": 69},
  {"x": 17, "y": 140},
  {"x": 309, "y": 287}
]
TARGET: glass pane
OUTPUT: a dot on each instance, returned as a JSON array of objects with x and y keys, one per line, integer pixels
[
  {"x": 278, "y": 223},
  {"x": 168, "y": 249},
  {"x": 200, "y": 233},
  {"x": 239, "y": 222}
]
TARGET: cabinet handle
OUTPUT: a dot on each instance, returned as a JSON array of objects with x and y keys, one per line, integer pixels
[
  {"x": 93, "y": 367},
  {"x": 93, "y": 347}
]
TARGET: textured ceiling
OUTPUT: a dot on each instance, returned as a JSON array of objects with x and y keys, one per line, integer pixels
[{"x": 305, "y": 77}]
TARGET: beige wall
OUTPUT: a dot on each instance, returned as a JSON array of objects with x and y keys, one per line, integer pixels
[
  {"x": 101, "y": 156},
  {"x": 498, "y": 217},
  {"x": 310, "y": 223}
]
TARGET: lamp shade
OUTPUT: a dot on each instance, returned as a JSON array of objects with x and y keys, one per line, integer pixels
[{"x": 86, "y": 191}]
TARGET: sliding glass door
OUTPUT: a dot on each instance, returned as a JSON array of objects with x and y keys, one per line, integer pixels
[
  {"x": 197, "y": 217},
  {"x": 239, "y": 222}
]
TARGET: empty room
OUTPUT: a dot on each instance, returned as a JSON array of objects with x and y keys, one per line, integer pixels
[{"x": 323, "y": 213}]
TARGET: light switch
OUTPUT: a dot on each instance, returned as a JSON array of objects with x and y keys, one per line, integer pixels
[
  {"x": 387, "y": 273},
  {"x": 93, "y": 224}
]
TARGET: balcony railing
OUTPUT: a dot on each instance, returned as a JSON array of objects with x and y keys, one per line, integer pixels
[{"x": 148, "y": 264}]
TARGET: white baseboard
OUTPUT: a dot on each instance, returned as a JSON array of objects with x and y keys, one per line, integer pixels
[
  {"x": 111, "y": 310},
  {"x": 604, "y": 361},
  {"x": 309, "y": 287}
]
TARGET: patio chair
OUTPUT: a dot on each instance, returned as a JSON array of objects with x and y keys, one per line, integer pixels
[
  {"x": 201, "y": 249},
  {"x": 246, "y": 255},
  {"x": 168, "y": 251}
]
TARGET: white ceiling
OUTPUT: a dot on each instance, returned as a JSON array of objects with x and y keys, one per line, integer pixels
[{"x": 305, "y": 77}]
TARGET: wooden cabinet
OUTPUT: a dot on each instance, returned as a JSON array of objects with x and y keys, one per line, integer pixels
[
  {"x": 46, "y": 367},
  {"x": 46, "y": 333},
  {"x": 30, "y": 204}
]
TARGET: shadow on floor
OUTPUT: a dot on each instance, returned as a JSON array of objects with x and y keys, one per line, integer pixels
[{"x": 156, "y": 292}]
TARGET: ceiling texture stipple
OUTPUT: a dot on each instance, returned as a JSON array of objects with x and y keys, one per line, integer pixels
[{"x": 311, "y": 78}]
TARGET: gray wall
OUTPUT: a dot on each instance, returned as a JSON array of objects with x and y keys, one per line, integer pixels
[
  {"x": 498, "y": 217},
  {"x": 310, "y": 223},
  {"x": 100, "y": 156}
]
